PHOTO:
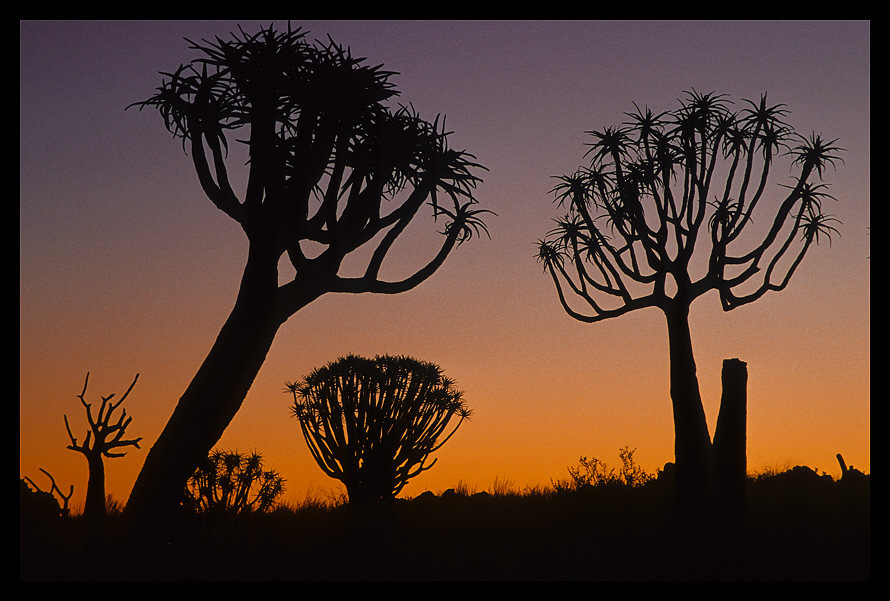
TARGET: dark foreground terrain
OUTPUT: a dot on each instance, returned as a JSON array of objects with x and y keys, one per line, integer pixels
[{"x": 797, "y": 526}]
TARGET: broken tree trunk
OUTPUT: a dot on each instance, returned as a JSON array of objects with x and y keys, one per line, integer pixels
[
  {"x": 730, "y": 462},
  {"x": 730, "y": 457}
]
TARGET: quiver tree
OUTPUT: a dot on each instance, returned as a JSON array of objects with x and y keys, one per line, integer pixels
[
  {"x": 229, "y": 482},
  {"x": 101, "y": 440},
  {"x": 372, "y": 423},
  {"x": 675, "y": 205},
  {"x": 330, "y": 170}
]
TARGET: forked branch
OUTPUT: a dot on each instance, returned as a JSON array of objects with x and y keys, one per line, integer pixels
[
  {"x": 103, "y": 435},
  {"x": 651, "y": 187}
]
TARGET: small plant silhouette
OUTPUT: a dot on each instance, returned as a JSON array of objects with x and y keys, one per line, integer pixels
[
  {"x": 45, "y": 502},
  {"x": 631, "y": 473},
  {"x": 101, "y": 438},
  {"x": 372, "y": 423},
  {"x": 232, "y": 482},
  {"x": 593, "y": 472}
]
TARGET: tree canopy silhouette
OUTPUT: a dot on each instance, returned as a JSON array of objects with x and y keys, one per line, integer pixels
[
  {"x": 664, "y": 213},
  {"x": 331, "y": 169},
  {"x": 372, "y": 423}
]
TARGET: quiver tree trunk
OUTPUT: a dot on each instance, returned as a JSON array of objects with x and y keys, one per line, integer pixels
[
  {"x": 205, "y": 409},
  {"x": 94, "y": 506},
  {"x": 692, "y": 442},
  {"x": 213, "y": 397}
]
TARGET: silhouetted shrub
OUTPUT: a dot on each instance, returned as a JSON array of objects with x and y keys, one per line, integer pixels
[
  {"x": 593, "y": 472},
  {"x": 43, "y": 504},
  {"x": 37, "y": 506},
  {"x": 372, "y": 423},
  {"x": 231, "y": 482}
]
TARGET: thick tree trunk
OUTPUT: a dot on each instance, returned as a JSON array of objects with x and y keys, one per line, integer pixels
[
  {"x": 204, "y": 411},
  {"x": 212, "y": 398},
  {"x": 94, "y": 506},
  {"x": 692, "y": 442}
]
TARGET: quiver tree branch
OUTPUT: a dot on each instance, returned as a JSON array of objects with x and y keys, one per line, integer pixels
[
  {"x": 630, "y": 186},
  {"x": 319, "y": 172}
]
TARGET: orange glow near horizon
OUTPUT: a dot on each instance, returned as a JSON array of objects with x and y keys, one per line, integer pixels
[
  {"x": 535, "y": 411},
  {"x": 129, "y": 269}
]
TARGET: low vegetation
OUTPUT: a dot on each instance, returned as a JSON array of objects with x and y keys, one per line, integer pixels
[
  {"x": 799, "y": 525},
  {"x": 232, "y": 482}
]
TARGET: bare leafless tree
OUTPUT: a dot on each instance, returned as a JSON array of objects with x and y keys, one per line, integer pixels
[{"x": 102, "y": 438}]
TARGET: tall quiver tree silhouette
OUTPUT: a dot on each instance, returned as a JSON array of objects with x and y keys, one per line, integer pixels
[
  {"x": 665, "y": 212},
  {"x": 101, "y": 440},
  {"x": 373, "y": 423},
  {"x": 326, "y": 161}
]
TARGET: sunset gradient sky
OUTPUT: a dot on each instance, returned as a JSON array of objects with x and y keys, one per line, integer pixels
[{"x": 126, "y": 267}]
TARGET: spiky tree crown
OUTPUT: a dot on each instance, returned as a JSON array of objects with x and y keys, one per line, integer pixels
[
  {"x": 372, "y": 423},
  {"x": 662, "y": 186}
]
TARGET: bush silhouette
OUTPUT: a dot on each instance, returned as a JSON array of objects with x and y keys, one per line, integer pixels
[
  {"x": 594, "y": 472},
  {"x": 372, "y": 423},
  {"x": 232, "y": 482},
  {"x": 40, "y": 506}
]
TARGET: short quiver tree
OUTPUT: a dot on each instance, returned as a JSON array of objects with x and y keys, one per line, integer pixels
[
  {"x": 372, "y": 423},
  {"x": 102, "y": 437},
  {"x": 232, "y": 482}
]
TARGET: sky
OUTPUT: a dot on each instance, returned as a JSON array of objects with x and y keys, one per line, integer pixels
[{"x": 126, "y": 267}]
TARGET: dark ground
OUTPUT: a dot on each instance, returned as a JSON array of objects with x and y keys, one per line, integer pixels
[{"x": 797, "y": 526}]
